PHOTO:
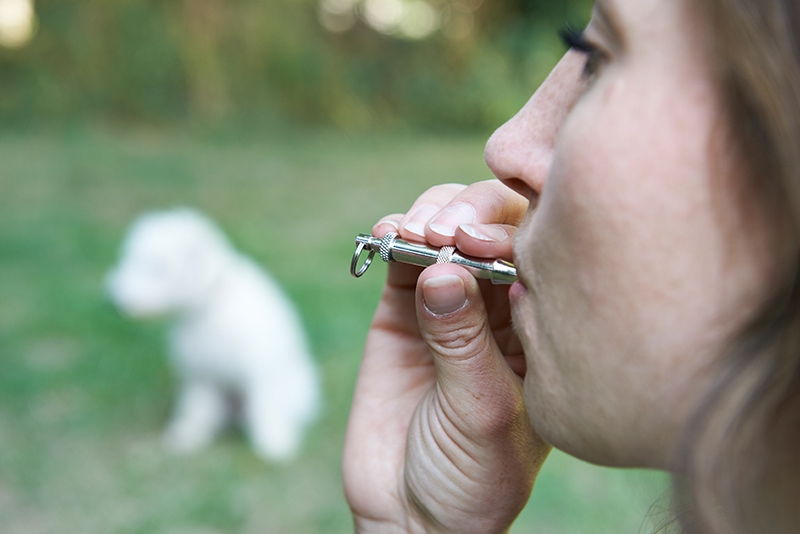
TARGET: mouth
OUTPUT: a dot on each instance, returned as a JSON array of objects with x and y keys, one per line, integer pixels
[
  {"x": 518, "y": 262},
  {"x": 520, "y": 289},
  {"x": 519, "y": 266}
]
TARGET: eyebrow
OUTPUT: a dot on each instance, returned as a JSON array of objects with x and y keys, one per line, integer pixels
[{"x": 608, "y": 19}]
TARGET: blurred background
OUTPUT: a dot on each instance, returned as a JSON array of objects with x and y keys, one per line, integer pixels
[{"x": 294, "y": 124}]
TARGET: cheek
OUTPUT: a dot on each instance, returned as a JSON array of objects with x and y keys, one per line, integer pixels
[
  {"x": 629, "y": 259},
  {"x": 630, "y": 209}
]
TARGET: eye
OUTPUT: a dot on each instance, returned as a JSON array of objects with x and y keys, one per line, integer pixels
[{"x": 574, "y": 39}]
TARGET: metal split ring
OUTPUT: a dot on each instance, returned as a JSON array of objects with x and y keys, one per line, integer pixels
[{"x": 354, "y": 269}]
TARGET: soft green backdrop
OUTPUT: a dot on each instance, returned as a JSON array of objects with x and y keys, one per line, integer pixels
[{"x": 84, "y": 392}]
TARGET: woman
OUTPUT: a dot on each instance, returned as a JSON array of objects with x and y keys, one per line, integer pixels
[{"x": 649, "y": 191}]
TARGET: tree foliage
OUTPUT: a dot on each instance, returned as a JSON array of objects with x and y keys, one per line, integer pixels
[{"x": 257, "y": 60}]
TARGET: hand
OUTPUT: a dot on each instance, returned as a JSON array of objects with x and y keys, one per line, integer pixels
[{"x": 438, "y": 437}]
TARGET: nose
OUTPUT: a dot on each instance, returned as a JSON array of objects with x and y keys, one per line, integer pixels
[{"x": 520, "y": 152}]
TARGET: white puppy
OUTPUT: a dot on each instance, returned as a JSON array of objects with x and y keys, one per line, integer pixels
[{"x": 235, "y": 335}]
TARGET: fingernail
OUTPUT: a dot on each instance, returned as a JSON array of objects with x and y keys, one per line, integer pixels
[
  {"x": 390, "y": 221},
  {"x": 444, "y": 294},
  {"x": 416, "y": 225},
  {"x": 485, "y": 232},
  {"x": 446, "y": 223}
]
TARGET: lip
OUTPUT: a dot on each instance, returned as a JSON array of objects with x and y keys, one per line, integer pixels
[
  {"x": 518, "y": 289},
  {"x": 516, "y": 293}
]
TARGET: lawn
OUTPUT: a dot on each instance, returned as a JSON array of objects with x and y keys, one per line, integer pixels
[{"x": 84, "y": 392}]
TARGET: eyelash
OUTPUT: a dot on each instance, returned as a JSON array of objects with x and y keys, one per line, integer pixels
[{"x": 574, "y": 39}]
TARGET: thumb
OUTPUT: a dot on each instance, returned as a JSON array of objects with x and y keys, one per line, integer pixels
[
  {"x": 472, "y": 372},
  {"x": 476, "y": 419}
]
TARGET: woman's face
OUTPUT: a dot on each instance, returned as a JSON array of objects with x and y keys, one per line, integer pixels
[{"x": 636, "y": 259}]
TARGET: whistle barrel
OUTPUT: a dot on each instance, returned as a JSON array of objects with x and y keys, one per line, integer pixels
[{"x": 391, "y": 248}]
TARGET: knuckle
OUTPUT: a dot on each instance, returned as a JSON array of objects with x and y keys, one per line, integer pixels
[
  {"x": 499, "y": 203},
  {"x": 460, "y": 341},
  {"x": 444, "y": 191}
]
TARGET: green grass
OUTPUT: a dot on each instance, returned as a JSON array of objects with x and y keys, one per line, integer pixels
[{"x": 84, "y": 392}]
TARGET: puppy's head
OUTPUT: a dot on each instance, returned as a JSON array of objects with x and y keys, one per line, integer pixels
[{"x": 169, "y": 259}]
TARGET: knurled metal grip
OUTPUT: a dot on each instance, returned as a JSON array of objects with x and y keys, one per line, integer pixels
[
  {"x": 445, "y": 255},
  {"x": 385, "y": 249}
]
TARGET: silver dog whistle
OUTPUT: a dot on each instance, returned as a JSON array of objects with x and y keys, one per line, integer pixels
[{"x": 390, "y": 249}]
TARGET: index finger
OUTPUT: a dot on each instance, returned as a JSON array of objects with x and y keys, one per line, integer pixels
[{"x": 481, "y": 220}]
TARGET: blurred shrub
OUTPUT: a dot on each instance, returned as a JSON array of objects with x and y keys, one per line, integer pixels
[{"x": 271, "y": 60}]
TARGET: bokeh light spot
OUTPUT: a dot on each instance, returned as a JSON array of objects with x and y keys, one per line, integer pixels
[
  {"x": 406, "y": 19},
  {"x": 337, "y": 15},
  {"x": 17, "y": 23},
  {"x": 383, "y": 15},
  {"x": 419, "y": 20}
]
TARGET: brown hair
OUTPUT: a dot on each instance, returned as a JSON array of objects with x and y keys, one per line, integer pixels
[{"x": 739, "y": 462}]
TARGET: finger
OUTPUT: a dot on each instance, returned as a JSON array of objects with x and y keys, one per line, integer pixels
[
  {"x": 472, "y": 372},
  {"x": 389, "y": 223},
  {"x": 400, "y": 276},
  {"x": 487, "y": 202},
  {"x": 411, "y": 226},
  {"x": 479, "y": 420},
  {"x": 486, "y": 240},
  {"x": 427, "y": 205}
]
